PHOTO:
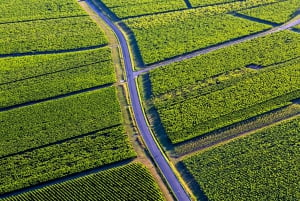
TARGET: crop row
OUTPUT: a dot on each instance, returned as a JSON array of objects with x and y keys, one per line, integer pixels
[
  {"x": 50, "y": 35},
  {"x": 40, "y": 124},
  {"x": 19, "y": 68},
  {"x": 278, "y": 12},
  {"x": 62, "y": 159},
  {"x": 129, "y": 182},
  {"x": 238, "y": 129},
  {"x": 266, "y": 90},
  {"x": 159, "y": 37},
  {"x": 17, "y": 10},
  {"x": 124, "y": 9},
  {"x": 196, "y": 3},
  {"x": 263, "y": 51},
  {"x": 58, "y": 83},
  {"x": 262, "y": 166}
]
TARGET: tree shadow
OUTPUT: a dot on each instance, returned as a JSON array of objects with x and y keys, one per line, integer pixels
[
  {"x": 153, "y": 115},
  {"x": 191, "y": 182},
  {"x": 135, "y": 50}
]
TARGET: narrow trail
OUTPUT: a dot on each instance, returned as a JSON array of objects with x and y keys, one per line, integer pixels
[
  {"x": 230, "y": 138},
  {"x": 150, "y": 141},
  {"x": 295, "y": 21}
]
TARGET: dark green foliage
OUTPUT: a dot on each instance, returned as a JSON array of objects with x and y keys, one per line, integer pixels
[
  {"x": 47, "y": 122},
  {"x": 129, "y": 182},
  {"x": 62, "y": 159},
  {"x": 75, "y": 74},
  {"x": 269, "y": 89},
  {"x": 263, "y": 166}
]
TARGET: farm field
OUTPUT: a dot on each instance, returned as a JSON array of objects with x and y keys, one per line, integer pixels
[
  {"x": 16, "y": 11},
  {"x": 220, "y": 80},
  {"x": 129, "y": 182},
  {"x": 159, "y": 38},
  {"x": 288, "y": 10},
  {"x": 60, "y": 106},
  {"x": 262, "y": 166},
  {"x": 132, "y": 8},
  {"x": 149, "y": 100},
  {"x": 80, "y": 70},
  {"x": 41, "y": 36}
]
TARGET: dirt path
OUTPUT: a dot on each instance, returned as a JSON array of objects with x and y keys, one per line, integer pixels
[{"x": 295, "y": 21}]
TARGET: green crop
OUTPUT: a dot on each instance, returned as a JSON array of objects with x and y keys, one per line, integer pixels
[
  {"x": 74, "y": 77},
  {"x": 47, "y": 122},
  {"x": 50, "y": 35},
  {"x": 129, "y": 182},
  {"x": 159, "y": 38},
  {"x": 278, "y": 12},
  {"x": 62, "y": 159},
  {"x": 262, "y": 166}
]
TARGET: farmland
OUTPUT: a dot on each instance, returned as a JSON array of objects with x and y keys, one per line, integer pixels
[
  {"x": 88, "y": 69},
  {"x": 159, "y": 38},
  {"x": 125, "y": 9},
  {"x": 270, "y": 12},
  {"x": 129, "y": 182},
  {"x": 41, "y": 36},
  {"x": 16, "y": 11},
  {"x": 262, "y": 166},
  {"x": 219, "y": 81},
  {"x": 64, "y": 158}
]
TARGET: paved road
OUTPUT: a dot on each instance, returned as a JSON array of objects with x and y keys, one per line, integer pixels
[
  {"x": 285, "y": 26},
  {"x": 152, "y": 146}
]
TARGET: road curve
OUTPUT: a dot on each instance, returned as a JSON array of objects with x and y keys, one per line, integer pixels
[
  {"x": 291, "y": 23},
  {"x": 149, "y": 140}
]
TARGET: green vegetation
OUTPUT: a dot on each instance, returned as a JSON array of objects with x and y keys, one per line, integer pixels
[
  {"x": 268, "y": 50},
  {"x": 255, "y": 94},
  {"x": 238, "y": 129},
  {"x": 50, "y": 35},
  {"x": 278, "y": 12},
  {"x": 196, "y": 3},
  {"x": 131, "y": 8},
  {"x": 262, "y": 166},
  {"x": 51, "y": 121},
  {"x": 19, "y": 68},
  {"x": 211, "y": 91},
  {"x": 72, "y": 78},
  {"x": 159, "y": 38},
  {"x": 17, "y": 10},
  {"x": 129, "y": 182},
  {"x": 62, "y": 159}
]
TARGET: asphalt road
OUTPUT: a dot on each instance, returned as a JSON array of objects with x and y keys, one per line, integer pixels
[
  {"x": 285, "y": 26},
  {"x": 152, "y": 146}
]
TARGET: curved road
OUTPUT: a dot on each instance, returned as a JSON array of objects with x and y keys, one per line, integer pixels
[
  {"x": 295, "y": 21},
  {"x": 151, "y": 144}
]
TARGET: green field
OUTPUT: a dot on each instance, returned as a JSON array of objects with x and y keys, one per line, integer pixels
[
  {"x": 63, "y": 73},
  {"x": 51, "y": 121},
  {"x": 129, "y": 182},
  {"x": 50, "y": 35},
  {"x": 61, "y": 159},
  {"x": 131, "y": 8},
  {"x": 287, "y": 8},
  {"x": 159, "y": 38},
  {"x": 17, "y": 10},
  {"x": 240, "y": 128},
  {"x": 217, "y": 89},
  {"x": 262, "y": 166}
]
